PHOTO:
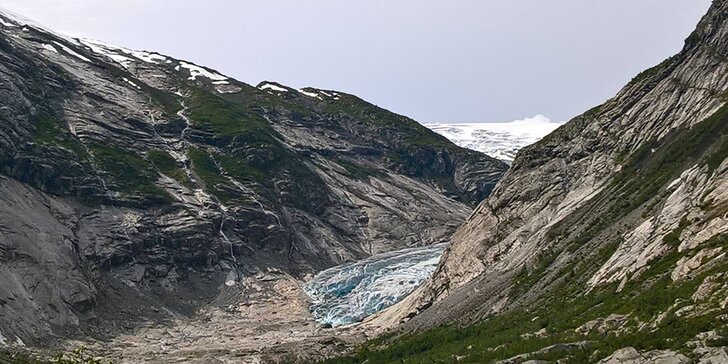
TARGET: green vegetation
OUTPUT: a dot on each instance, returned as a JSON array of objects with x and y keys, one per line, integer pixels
[
  {"x": 205, "y": 167},
  {"x": 166, "y": 164},
  {"x": 241, "y": 170},
  {"x": 414, "y": 134},
  {"x": 226, "y": 119},
  {"x": 653, "y": 166},
  {"x": 717, "y": 157},
  {"x": 525, "y": 279},
  {"x": 49, "y": 131},
  {"x": 18, "y": 358},
  {"x": 215, "y": 179},
  {"x": 356, "y": 170},
  {"x": 673, "y": 237},
  {"x": 651, "y": 72},
  {"x": 130, "y": 173},
  {"x": 77, "y": 356}
]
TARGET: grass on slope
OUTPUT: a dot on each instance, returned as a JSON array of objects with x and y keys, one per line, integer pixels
[
  {"x": 77, "y": 356},
  {"x": 49, "y": 131},
  {"x": 166, "y": 164},
  {"x": 129, "y": 172},
  {"x": 226, "y": 119},
  {"x": 414, "y": 133}
]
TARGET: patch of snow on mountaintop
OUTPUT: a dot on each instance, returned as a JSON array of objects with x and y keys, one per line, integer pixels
[
  {"x": 50, "y": 48},
  {"x": 310, "y": 94},
  {"x": 71, "y": 52},
  {"x": 107, "y": 50},
  {"x": 498, "y": 140},
  {"x": 119, "y": 54},
  {"x": 197, "y": 71},
  {"x": 6, "y": 24},
  {"x": 270, "y": 86},
  {"x": 148, "y": 57}
]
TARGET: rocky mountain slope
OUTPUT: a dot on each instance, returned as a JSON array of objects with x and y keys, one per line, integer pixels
[
  {"x": 610, "y": 232},
  {"x": 136, "y": 187}
]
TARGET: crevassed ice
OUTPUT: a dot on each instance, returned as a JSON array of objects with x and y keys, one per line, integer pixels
[
  {"x": 350, "y": 292},
  {"x": 498, "y": 140}
]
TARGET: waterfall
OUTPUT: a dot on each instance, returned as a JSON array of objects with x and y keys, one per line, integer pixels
[
  {"x": 179, "y": 153},
  {"x": 232, "y": 276}
]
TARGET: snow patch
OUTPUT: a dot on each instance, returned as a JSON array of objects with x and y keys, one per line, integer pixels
[
  {"x": 108, "y": 51},
  {"x": 311, "y": 94},
  {"x": 231, "y": 90},
  {"x": 131, "y": 83},
  {"x": 72, "y": 52},
  {"x": 498, "y": 140},
  {"x": 50, "y": 48},
  {"x": 147, "y": 56},
  {"x": 270, "y": 86},
  {"x": 197, "y": 71},
  {"x": 6, "y": 24},
  {"x": 350, "y": 292},
  {"x": 122, "y": 55}
]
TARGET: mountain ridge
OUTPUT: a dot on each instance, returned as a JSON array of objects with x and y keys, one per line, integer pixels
[{"x": 156, "y": 187}]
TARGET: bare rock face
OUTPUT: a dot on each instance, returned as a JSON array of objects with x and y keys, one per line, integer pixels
[
  {"x": 629, "y": 355},
  {"x": 136, "y": 187},
  {"x": 640, "y": 178}
]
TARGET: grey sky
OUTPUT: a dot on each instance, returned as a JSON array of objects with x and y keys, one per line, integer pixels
[{"x": 444, "y": 60}]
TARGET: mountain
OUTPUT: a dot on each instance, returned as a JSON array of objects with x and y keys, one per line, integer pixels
[
  {"x": 605, "y": 240},
  {"x": 139, "y": 188},
  {"x": 499, "y": 140}
]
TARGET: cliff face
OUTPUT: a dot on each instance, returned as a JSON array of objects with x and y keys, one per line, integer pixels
[
  {"x": 636, "y": 182},
  {"x": 134, "y": 184}
]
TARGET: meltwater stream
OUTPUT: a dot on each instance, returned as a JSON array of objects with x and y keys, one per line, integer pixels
[{"x": 350, "y": 292}]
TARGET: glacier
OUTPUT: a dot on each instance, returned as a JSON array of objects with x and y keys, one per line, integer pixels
[
  {"x": 498, "y": 140},
  {"x": 350, "y": 292}
]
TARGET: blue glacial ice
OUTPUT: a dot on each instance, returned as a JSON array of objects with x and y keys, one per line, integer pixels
[{"x": 350, "y": 292}]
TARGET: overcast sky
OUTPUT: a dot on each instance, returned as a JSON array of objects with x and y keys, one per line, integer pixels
[{"x": 433, "y": 60}]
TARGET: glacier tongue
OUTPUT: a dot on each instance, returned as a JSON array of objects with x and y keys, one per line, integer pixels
[{"x": 350, "y": 292}]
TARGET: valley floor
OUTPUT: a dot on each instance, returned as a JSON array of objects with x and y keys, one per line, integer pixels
[{"x": 266, "y": 319}]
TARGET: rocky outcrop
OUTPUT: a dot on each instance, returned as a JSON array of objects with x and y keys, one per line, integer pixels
[
  {"x": 629, "y": 355},
  {"x": 139, "y": 187}
]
